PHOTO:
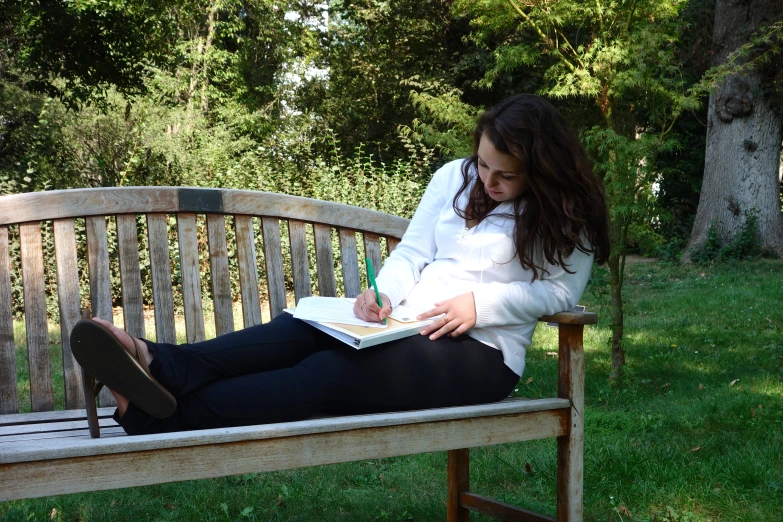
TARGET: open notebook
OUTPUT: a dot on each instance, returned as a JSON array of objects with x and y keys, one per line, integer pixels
[{"x": 400, "y": 324}]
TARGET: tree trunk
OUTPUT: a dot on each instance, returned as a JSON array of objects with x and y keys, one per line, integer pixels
[
  {"x": 205, "y": 57},
  {"x": 616, "y": 286},
  {"x": 743, "y": 139}
]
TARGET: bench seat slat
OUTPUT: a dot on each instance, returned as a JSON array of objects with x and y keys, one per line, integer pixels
[
  {"x": 248, "y": 270},
  {"x": 69, "y": 303},
  {"x": 84, "y": 432},
  {"x": 160, "y": 266},
  {"x": 130, "y": 275},
  {"x": 191, "y": 280},
  {"x": 221, "y": 281},
  {"x": 324, "y": 260},
  {"x": 47, "y": 427},
  {"x": 67, "y": 472},
  {"x": 352, "y": 280},
  {"x": 30, "y": 451},
  {"x": 8, "y": 395},
  {"x": 42, "y": 398},
  {"x": 51, "y": 416},
  {"x": 273, "y": 257}
]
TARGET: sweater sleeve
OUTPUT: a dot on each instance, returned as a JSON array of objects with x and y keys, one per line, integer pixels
[
  {"x": 524, "y": 302},
  {"x": 402, "y": 269}
]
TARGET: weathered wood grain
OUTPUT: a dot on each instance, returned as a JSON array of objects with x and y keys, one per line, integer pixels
[
  {"x": 352, "y": 280},
  {"x": 248, "y": 270},
  {"x": 570, "y": 318},
  {"x": 273, "y": 257},
  {"x": 9, "y": 402},
  {"x": 130, "y": 275},
  {"x": 57, "y": 204},
  {"x": 300, "y": 262},
  {"x": 50, "y": 416},
  {"x": 100, "y": 280},
  {"x": 35, "y": 317},
  {"x": 391, "y": 244},
  {"x": 31, "y": 452},
  {"x": 160, "y": 267},
  {"x": 74, "y": 474},
  {"x": 570, "y": 447},
  {"x": 191, "y": 279},
  {"x": 312, "y": 211},
  {"x": 458, "y": 480},
  {"x": 18, "y": 429},
  {"x": 500, "y": 510},
  {"x": 221, "y": 279},
  {"x": 372, "y": 249},
  {"x": 324, "y": 260},
  {"x": 98, "y": 263},
  {"x": 69, "y": 304},
  {"x": 106, "y": 431}
]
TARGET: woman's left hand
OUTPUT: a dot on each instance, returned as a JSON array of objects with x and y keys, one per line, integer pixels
[{"x": 460, "y": 316}]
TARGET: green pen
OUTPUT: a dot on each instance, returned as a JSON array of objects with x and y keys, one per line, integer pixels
[{"x": 371, "y": 278}]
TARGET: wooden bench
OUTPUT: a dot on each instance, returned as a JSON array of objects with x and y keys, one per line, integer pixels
[{"x": 49, "y": 452}]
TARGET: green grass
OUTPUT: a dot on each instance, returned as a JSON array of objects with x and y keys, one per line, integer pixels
[{"x": 693, "y": 433}]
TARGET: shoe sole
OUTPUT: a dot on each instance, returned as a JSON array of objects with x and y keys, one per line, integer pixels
[{"x": 103, "y": 357}]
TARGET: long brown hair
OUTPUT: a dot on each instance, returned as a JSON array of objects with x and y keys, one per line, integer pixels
[{"x": 564, "y": 205}]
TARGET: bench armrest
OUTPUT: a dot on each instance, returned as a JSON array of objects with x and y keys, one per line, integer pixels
[{"x": 570, "y": 318}]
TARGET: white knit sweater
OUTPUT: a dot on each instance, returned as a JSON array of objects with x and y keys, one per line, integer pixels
[{"x": 440, "y": 258}]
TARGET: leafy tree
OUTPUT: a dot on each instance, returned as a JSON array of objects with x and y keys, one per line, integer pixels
[
  {"x": 72, "y": 50},
  {"x": 620, "y": 56}
]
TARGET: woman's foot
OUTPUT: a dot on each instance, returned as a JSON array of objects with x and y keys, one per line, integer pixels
[
  {"x": 126, "y": 340},
  {"x": 127, "y": 343},
  {"x": 121, "y": 363}
]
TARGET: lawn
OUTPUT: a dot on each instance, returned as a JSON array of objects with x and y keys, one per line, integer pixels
[{"x": 693, "y": 433}]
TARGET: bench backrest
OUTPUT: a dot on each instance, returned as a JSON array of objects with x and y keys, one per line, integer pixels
[{"x": 168, "y": 226}]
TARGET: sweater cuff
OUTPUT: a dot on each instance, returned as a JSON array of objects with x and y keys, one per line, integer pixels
[{"x": 483, "y": 299}]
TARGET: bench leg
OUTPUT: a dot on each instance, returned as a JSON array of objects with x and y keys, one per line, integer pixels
[
  {"x": 570, "y": 447},
  {"x": 458, "y": 481}
]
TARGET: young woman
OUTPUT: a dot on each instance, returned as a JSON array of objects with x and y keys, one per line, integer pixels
[{"x": 498, "y": 240}]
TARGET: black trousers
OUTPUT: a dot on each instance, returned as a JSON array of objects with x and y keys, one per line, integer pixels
[{"x": 286, "y": 370}]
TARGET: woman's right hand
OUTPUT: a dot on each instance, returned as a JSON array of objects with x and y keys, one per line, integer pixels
[{"x": 366, "y": 306}]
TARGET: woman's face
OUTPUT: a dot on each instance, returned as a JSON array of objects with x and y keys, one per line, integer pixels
[{"x": 502, "y": 174}]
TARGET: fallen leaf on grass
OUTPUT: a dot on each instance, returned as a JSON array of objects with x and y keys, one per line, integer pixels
[
  {"x": 666, "y": 385},
  {"x": 735, "y": 381},
  {"x": 701, "y": 386},
  {"x": 528, "y": 467},
  {"x": 529, "y": 380},
  {"x": 694, "y": 450},
  {"x": 170, "y": 506},
  {"x": 53, "y": 513},
  {"x": 622, "y": 510},
  {"x": 752, "y": 413}
]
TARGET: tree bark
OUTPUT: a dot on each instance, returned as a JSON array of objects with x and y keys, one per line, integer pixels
[
  {"x": 616, "y": 286},
  {"x": 743, "y": 139}
]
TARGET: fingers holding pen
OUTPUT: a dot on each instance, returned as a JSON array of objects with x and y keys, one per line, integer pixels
[{"x": 366, "y": 307}]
